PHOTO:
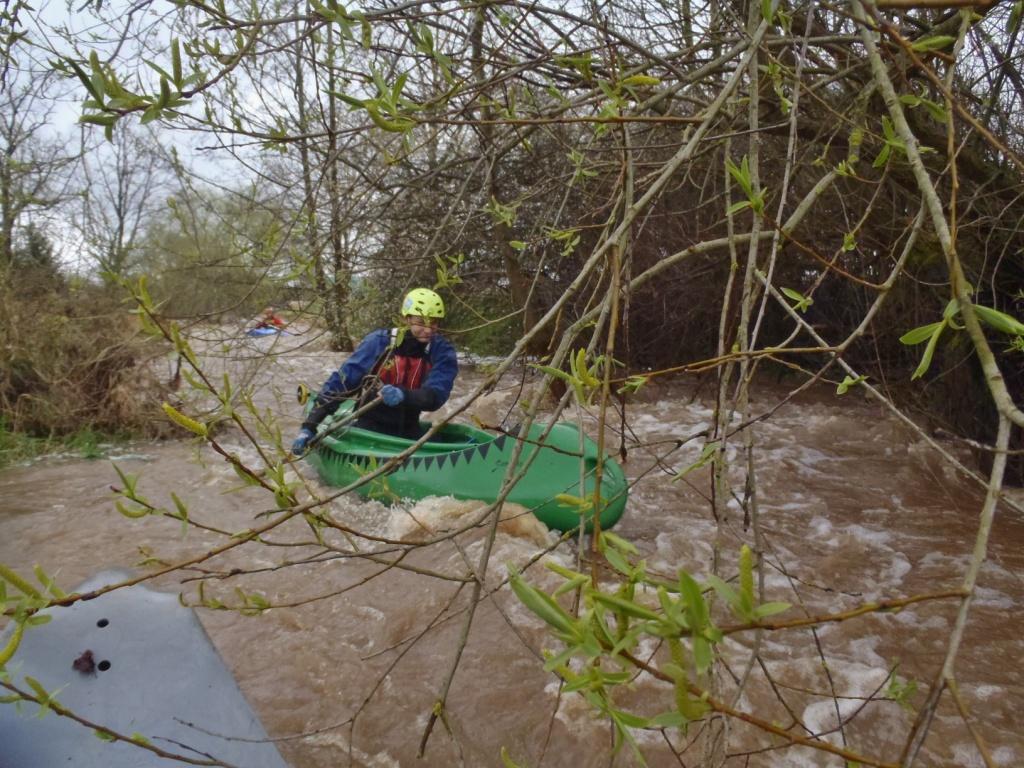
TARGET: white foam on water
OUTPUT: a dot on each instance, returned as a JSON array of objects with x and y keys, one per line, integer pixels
[
  {"x": 437, "y": 515},
  {"x": 870, "y": 536},
  {"x": 909, "y": 617},
  {"x": 985, "y": 692},
  {"x": 965, "y": 755},
  {"x": 801, "y": 757},
  {"x": 647, "y": 422},
  {"x": 777, "y": 585},
  {"x": 943, "y": 561},
  {"x": 853, "y": 679},
  {"x": 338, "y": 740},
  {"x": 885, "y": 512},
  {"x": 1005, "y": 756},
  {"x": 863, "y": 649},
  {"x": 800, "y": 501},
  {"x": 985, "y": 597},
  {"x": 992, "y": 569},
  {"x": 821, "y": 526},
  {"x": 812, "y": 457},
  {"x": 369, "y": 612},
  {"x": 899, "y": 566},
  {"x": 572, "y": 708},
  {"x": 118, "y": 454}
]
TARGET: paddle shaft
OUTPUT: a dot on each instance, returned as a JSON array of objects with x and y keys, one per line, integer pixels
[{"x": 344, "y": 423}]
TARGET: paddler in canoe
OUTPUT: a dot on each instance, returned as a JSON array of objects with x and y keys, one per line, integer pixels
[{"x": 412, "y": 368}]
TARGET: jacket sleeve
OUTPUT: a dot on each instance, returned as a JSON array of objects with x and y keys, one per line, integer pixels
[
  {"x": 344, "y": 382},
  {"x": 444, "y": 367}
]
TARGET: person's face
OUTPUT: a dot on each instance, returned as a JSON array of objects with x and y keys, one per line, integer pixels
[{"x": 422, "y": 328}]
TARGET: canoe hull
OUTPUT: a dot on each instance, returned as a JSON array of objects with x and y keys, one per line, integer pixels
[
  {"x": 471, "y": 464},
  {"x": 137, "y": 661}
]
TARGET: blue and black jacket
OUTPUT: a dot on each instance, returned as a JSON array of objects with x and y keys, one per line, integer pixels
[{"x": 425, "y": 372}]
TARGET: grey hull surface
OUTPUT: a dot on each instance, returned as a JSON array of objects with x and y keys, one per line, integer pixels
[{"x": 156, "y": 673}]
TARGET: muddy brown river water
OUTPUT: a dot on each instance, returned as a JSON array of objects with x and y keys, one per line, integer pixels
[{"x": 854, "y": 508}]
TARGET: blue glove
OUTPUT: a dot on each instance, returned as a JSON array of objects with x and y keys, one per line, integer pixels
[
  {"x": 299, "y": 445},
  {"x": 391, "y": 395}
]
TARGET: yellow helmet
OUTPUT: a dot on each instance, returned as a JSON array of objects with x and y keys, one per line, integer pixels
[{"x": 422, "y": 302}]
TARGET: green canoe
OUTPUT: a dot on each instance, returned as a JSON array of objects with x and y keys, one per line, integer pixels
[{"x": 468, "y": 463}]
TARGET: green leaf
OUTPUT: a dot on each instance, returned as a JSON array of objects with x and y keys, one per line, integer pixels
[
  {"x": 153, "y": 112},
  {"x": 668, "y": 720},
  {"x": 632, "y": 384},
  {"x": 400, "y": 124},
  {"x": 560, "y": 659},
  {"x": 702, "y": 654},
  {"x": 565, "y": 573},
  {"x": 848, "y": 382},
  {"x": 672, "y": 609},
  {"x": 157, "y": 68},
  {"x": 707, "y": 454},
  {"x": 641, "y": 80},
  {"x": 558, "y": 374},
  {"x": 692, "y": 708},
  {"x": 917, "y": 335},
  {"x": 37, "y": 688},
  {"x": 610, "y": 539},
  {"x": 571, "y": 584},
  {"x": 935, "y": 43},
  {"x": 741, "y": 175},
  {"x": 133, "y": 514},
  {"x": 888, "y": 130},
  {"x": 929, "y": 352},
  {"x": 17, "y": 581},
  {"x": 176, "y": 63},
  {"x": 631, "y": 720},
  {"x": 105, "y": 120},
  {"x": 543, "y": 606},
  {"x": 1000, "y": 321},
  {"x": 747, "y": 574},
  {"x": 7, "y": 652},
  {"x": 724, "y": 590},
  {"x": 770, "y": 609},
  {"x": 618, "y": 562},
  {"x": 628, "y": 607},
  {"x": 350, "y": 100},
  {"x": 86, "y": 81},
  {"x": 690, "y": 592},
  {"x": 182, "y": 512},
  {"x": 48, "y": 582},
  {"x": 165, "y": 93},
  {"x": 936, "y": 110},
  {"x": 507, "y": 761},
  {"x": 801, "y": 302},
  {"x": 901, "y": 692}
]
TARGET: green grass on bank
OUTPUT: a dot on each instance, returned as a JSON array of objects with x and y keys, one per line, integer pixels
[{"x": 16, "y": 447}]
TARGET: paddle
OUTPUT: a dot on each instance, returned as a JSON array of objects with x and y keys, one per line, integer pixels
[{"x": 341, "y": 424}]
